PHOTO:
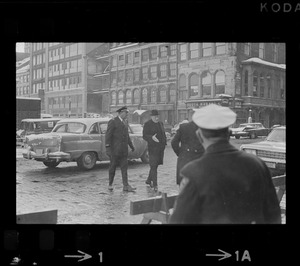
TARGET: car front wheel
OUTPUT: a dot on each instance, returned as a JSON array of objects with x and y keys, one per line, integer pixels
[
  {"x": 87, "y": 160},
  {"x": 51, "y": 164},
  {"x": 237, "y": 137}
]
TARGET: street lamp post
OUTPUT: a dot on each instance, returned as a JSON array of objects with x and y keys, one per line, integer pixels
[
  {"x": 70, "y": 101},
  {"x": 250, "y": 116}
]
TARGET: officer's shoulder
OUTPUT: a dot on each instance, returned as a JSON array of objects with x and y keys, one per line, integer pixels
[{"x": 191, "y": 169}]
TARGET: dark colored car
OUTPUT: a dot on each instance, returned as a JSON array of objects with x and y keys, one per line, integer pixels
[
  {"x": 272, "y": 150},
  {"x": 80, "y": 140},
  {"x": 251, "y": 130}
]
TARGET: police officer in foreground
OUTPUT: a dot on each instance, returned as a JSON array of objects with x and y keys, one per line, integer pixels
[
  {"x": 226, "y": 185},
  {"x": 117, "y": 141},
  {"x": 186, "y": 145}
]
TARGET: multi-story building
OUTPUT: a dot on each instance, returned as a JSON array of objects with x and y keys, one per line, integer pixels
[
  {"x": 22, "y": 75},
  {"x": 144, "y": 77},
  {"x": 63, "y": 76},
  {"x": 249, "y": 77},
  {"x": 74, "y": 79}
]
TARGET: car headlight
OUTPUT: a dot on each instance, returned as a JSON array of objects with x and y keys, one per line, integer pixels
[{"x": 250, "y": 151}]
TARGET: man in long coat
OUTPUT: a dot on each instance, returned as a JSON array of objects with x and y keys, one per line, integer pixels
[
  {"x": 154, "y": 134},
  {"x": 186, "y": 145},
  {"x": 226, "y": 185},
  {"x": 117, "y": 141}
]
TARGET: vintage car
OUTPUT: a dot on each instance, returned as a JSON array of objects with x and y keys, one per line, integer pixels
[
  {"x": 80, "y": 140},
  {"x": 272, "y": 150},
  {"x": 251, "y": 130},
  {"x": 35, "y": 126}
]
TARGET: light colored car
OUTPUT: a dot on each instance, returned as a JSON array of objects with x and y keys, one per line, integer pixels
[
  {"x": 272, "y": 150},
  {"x": 80, "y": 140},
  {"x": 251, "y": 130}
]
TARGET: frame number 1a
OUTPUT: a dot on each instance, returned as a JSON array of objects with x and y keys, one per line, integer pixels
[{"x": 246, "y": 256}]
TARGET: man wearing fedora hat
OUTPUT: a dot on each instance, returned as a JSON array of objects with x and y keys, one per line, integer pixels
[
  {"x": 154, "y": 134},
  {"x": 116, "y": 142},
  {"x": 226, "y": 185}
]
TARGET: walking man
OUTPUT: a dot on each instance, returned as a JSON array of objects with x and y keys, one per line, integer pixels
[
  {"x": 186, "y": 145},
  {"x": 116, "y": 142},
  {"x": 154, "y": 134},
  {"x": 226, "y": 185}
]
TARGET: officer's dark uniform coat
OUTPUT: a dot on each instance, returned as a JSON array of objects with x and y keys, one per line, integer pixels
[
  {"x": 227, "y": 186},
  {"x": 186, "y": 146},
  {"x": 117, "y": 137},
  {"x": 156, "y": 149}
]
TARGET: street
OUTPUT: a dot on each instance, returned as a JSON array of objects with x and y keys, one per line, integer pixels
[{"x": 82, "y": 197}]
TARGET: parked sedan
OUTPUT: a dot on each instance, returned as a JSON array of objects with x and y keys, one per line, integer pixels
[
  {"x": 80, "y": 140},
  {"x": 251, "y": 130},
  {"x": 272, "y": 150}
]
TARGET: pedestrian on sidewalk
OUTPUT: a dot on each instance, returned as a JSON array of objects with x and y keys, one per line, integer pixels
[
  {"x": 116, "y": 142},
  {"x": 154, "y": 134},
  {"x": 186, "y": 145},
  {"x": 226, "y": 185}
]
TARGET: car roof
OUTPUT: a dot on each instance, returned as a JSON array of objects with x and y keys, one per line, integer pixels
[
  {"x": 88, "y": 121},
  {"x": 40, "y": 119}
]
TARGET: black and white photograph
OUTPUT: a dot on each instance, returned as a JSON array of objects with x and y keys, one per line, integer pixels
[{"x": 151, "y": 132}]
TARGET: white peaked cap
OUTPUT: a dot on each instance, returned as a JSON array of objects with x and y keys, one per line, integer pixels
[{"x": 214, "y": 117}]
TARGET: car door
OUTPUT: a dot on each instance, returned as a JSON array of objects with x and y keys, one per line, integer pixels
[{"x": 94, "y": 133}]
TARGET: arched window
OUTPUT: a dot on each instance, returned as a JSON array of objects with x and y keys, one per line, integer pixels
[
  {"x": 206, "y": 84},
  {"x": 262, "y": 85},
  {"x": 255, "y": 81},
  {"x": 246, "y": 83},
  {"x": 128, "y": 97},
  {"x": 172, "y": 94},
  {"x": 162, "y": 94},
  {"x": 113, "y": 98},
  {"x": 136, "y": 96},
  {"x": 153, "y": 95},
  {"x": 182, "y": 88},
  {"x": 121, "y": 97},
  {"x": 220, "y": 82},
  {"x": 145, "y": 95},
  {"x": 194, "y": 85}
]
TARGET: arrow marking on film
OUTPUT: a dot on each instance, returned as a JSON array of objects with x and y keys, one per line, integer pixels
[
  {"x": 225, "y": 255},
  {"x": 84, "y": 257}
]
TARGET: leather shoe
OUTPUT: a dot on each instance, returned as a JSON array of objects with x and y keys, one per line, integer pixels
[
  {"x": 110, "y": 188},
  {"x": 129, "y": 188}
]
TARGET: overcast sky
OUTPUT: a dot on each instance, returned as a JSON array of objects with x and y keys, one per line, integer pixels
[{"x": 20, "y": 47}]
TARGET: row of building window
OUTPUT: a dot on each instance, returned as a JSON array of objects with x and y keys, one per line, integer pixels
[
  {"x": 144, "y": 55},
  {"x": 264, "y": 85},
  {"x": 189, "y": 51},
  {"x": 144, "y": 96},
  {"x": 201, "y": 85},
  {"x": 147, "y": 72},
  {"x": 22, "y": 78},
  {"x": 23, "y": 90},
  {"x": 58, "y": 53},
  {"x": 71, "y": 101},
  {"x": 65, "y": 83},
  {"x": 41, "y": 45}
]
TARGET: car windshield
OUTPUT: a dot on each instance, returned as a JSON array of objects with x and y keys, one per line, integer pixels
[
  {"x": 71, "y": 127},
  {"x": 136, "y": 128},
  {"x": 277, "y": 135}
]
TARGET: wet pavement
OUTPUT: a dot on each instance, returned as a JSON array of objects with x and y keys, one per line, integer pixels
[{"x": 82, "y": 197}]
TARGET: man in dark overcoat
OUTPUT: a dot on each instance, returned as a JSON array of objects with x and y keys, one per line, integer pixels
[
  {"x": 186, "y": 145},
  {"x": 226, "y": 185},
  {"x": 116, "y": 142},
  {"x": 154, "y": 134}
]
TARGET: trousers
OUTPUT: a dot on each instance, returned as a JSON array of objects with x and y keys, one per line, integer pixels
[
  {"x": 116, "y": 160},
  {"x": 153, "y": 174}
]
